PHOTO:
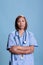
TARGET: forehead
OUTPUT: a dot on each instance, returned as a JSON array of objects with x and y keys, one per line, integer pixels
[{"x": 21, "y": 18}]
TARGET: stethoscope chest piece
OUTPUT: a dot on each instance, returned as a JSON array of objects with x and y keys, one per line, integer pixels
[{"x": 25, "y": 42}]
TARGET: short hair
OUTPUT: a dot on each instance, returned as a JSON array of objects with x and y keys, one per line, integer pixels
[{"x": 16, "y": 25}]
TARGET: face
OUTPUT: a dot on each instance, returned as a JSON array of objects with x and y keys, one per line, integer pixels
[{"x": 21, "y": 23}]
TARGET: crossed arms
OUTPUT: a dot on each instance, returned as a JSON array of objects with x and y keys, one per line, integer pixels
[{"x": 22, "y": 49}]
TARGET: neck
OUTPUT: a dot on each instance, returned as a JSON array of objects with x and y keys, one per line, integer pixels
[{"x": 21, "y": 32}]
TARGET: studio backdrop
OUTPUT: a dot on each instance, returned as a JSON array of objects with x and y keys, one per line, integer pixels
[{"x": 33, "y": 11}]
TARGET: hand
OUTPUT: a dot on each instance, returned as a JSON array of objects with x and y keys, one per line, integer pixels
[{"x": 19, "y": 47}]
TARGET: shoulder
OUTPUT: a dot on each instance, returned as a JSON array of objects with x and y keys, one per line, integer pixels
[
  {"x": 30, "y": 33},
  {"x": 12, "y": 33}
]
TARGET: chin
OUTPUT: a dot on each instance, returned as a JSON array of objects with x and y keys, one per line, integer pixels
[{"x": 21, "y": 28}]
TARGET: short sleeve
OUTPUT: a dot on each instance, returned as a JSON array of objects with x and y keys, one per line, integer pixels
[
  {"x": 33, "y": 40},
  {"x": 11, "y": 41}
]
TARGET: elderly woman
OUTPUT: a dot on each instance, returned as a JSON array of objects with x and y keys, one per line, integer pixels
[{"x": 21, "y": 43}]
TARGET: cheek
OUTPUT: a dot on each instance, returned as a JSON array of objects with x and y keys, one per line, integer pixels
[
  {"x": 24, "y": 24},
  {"x": 18, "y": 24}
]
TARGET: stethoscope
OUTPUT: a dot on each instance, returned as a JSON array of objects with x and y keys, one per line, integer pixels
[
  {"x": 18, "y": 39},
  {"x": 24, "y": 40}
]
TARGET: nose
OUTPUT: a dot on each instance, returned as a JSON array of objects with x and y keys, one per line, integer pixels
[{"x": 21, "y": 21}]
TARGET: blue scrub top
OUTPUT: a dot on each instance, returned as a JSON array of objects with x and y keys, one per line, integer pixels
[{"x": 26, "y": 39}]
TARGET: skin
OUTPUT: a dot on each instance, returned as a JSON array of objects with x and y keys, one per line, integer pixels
[
  {"x": 21, "y": 24},
  {"x": 21, "y": 49}
]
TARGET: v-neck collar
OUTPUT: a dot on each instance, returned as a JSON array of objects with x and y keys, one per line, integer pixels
[{"x": 17, "y": 34}]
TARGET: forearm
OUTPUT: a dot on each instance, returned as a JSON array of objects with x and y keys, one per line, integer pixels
[
  {"x": 22, "y": 49},
  {"x": 30, "y": 50},
  {"x": 16, "y": 50},
  {"x": 27, "y": 49}
]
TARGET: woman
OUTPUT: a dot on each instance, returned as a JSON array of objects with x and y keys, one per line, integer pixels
[{"x": 21, "y": 43}]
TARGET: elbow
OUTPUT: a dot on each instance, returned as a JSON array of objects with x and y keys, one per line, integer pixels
[
  {"x": 11, "y": 50},
  {"x": 32, "y": 50}
]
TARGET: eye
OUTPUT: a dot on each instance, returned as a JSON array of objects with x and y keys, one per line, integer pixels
[
  {"x": 23, "y": 21},
  {"x": 18, "y": 21}
]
